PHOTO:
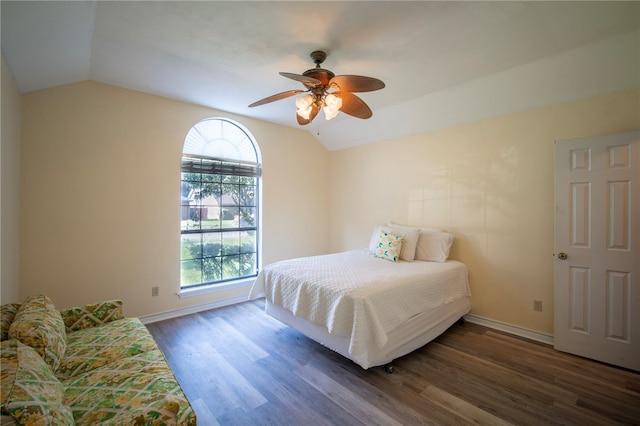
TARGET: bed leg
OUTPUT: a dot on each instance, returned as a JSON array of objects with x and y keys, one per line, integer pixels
[
  {"x": 388, "y": 368},
  {"x": 461, "y": 321}
]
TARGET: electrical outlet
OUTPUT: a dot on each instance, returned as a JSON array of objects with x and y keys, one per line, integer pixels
[
  {"x": 155, "y": 291},
  {"x": 537, "y": 305}
]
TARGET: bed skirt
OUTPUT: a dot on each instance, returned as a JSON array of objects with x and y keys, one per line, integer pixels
[{"x": 409, "y": 336}]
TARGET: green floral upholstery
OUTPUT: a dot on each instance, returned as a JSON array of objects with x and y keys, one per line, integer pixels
[
  {"x": 141, "y": 387},
  {"x": 95, "y": 347},
  {"x": 31, "y": 394},
  {"x": 9, "y": 363},
  {"x": 93, "y": 315},
  {"x": 85, "y": 366},
  {"x": 7, "y": 314},
  {"x": 38, "y": 324}
]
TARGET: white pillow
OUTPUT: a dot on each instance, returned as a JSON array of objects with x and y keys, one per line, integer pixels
[
  {"x": 410, "y": 242},
  {"x": 373, "y": 242},
  {"x": 417, "y": 227},
  {"x": 434, "y": 246},
  {"x": 389, "y": 246}
]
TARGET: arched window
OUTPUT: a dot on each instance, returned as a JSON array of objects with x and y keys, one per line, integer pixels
[{"x": 219, "y": 204}]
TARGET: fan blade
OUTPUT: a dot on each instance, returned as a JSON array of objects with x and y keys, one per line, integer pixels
[
  {"x": 356, "y": 83},
  {"x": 314, "y": 111},
  {"x": 353, "y": 105},
  {"x": 276, "y": 97},
  {"x": 307, "y": 81}
]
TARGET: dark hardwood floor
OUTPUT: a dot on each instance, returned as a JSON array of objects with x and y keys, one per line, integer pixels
[{"x": 239, "y": 366}]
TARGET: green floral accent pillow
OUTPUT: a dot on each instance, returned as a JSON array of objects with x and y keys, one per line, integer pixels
[
  {"x": 389, "y": 246},
  {"x": 7, "y": 314},
  {"x": 93, "y": 315},
  {"x": 38, "y": 324},
  {"x": 34, "y": 396}
]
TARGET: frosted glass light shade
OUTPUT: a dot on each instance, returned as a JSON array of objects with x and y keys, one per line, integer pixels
[
  {"x": 303, "y": 106},
  {"x": 332, "y": 105}
]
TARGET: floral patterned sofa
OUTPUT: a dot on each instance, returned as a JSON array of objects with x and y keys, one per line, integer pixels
[{"x": 84, "y": 365}]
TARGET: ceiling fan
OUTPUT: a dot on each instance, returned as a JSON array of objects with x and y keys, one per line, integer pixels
[{"x": 332, "y": 93}]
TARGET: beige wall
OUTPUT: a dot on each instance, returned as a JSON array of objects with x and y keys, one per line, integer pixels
[
  {"x": 100, "y": 180},
  {"x": 488, "y": 182},
  {"x": 10, "y": 187},
  {"x": 100, "y": 190}
]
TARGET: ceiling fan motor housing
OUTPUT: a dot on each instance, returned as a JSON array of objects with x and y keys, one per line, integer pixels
[{"x": 320, "y": 74}]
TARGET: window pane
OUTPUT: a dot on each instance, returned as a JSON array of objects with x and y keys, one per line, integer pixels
[
  {"x": 207, "y": 178},
  {"x": 191, "y": 246},
  {"x": 230, "y": 192},
  {"x": 209, "y": 213},
  {"x": 214, "y": 189},
  {"x": 248, "y": 242},
  {"x": 184, "y": 216},
  {"x": 211, "y": 269},
  {"x": 232, "y": 179},
  {"x": 190, "y": 272},
  {"x": 231, "y": 243},
  {"x": 231, "y": 267},
  {"x": 247, "y": 195},
  {"x": 231, "y": 217},
  {"x": 247, "y": 216},
  {"x": 191, "y": 178},
  {"x": 248, "y": 264},
  {"x": 194, "y": 219},
  {"x": 211, "y": 244}
]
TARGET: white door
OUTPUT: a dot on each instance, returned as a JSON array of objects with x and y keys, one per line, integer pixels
[{"x": 597, "y": 248}]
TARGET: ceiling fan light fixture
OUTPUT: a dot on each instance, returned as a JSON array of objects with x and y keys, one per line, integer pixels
[
  {"x": 333, "y": 93},
  {"x": 331, "y": 106},
  {"x": 303, "y": 106}
]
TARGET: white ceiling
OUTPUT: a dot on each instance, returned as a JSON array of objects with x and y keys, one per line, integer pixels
[{"x": 444, "y": 63}]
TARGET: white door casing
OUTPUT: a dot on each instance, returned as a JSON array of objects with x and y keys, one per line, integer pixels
[{"x": 597, "y": 248}]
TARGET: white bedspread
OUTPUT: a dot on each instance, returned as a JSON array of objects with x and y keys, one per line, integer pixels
[{"x": 356, "y": 295}]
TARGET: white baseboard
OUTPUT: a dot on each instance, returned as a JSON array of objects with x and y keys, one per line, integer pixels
[
  {"x": 148, "y": 319},
  {"x": 496, "y": 325},
  {"x": 511, "y": 329}
]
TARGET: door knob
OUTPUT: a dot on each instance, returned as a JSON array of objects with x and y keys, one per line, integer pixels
[{"x": 562, "y": 256}]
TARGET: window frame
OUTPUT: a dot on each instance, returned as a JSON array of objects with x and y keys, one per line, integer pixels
[{"x": 203, "y": 165}]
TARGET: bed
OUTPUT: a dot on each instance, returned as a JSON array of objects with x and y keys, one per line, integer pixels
[{"x": 365, "y": 307}]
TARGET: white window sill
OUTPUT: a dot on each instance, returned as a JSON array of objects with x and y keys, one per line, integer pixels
[{"x": 214, "y": 288}]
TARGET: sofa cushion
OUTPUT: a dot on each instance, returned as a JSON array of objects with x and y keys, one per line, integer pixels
[
  {"x": 7, "y": 314},
  {"x": 137, "y": 390},
  {"x": 92, "y": 315},
  {"x": 91, "y": 348},
  {"x": 31, "y": 394},
  {"x": 38, "y": 324},
  {"x": 8, "y": 369}
]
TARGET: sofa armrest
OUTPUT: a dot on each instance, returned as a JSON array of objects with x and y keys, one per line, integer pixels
[{"x": 92, "y": 315}]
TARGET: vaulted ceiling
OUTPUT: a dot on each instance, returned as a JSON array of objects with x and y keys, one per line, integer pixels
[{"x": 444, "y": 63}]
